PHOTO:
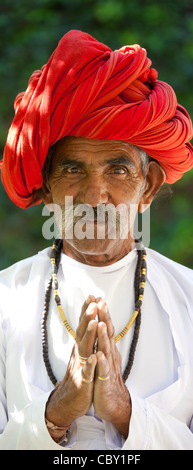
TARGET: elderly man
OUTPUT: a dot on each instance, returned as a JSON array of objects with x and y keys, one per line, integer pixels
[{"x": 117, "y": 327}]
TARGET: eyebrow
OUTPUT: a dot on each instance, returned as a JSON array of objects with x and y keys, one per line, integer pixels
[
  {"x": 121, "y": 160},
  {"x": 70, "y": 162}
]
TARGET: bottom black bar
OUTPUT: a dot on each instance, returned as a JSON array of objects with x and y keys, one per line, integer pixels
[{"x": 93, "y": 459}]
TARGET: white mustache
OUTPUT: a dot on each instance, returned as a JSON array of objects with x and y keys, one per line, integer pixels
[
  {"x": 79, "y": 215},
  {"x": 78, "y": 220},
  {"x": 101, "y": 214}
]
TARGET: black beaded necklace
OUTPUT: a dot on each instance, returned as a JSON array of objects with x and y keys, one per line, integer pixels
[{"x": 139, "y": 284}]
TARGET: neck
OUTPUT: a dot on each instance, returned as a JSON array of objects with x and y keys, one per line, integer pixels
[{"x": 109, "y": 256}]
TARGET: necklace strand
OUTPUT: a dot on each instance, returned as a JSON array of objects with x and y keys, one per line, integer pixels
[
  {"x": 60, "y": 309},
  {"x": 139, "y": 284}
]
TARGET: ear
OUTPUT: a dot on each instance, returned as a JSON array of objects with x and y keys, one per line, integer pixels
[
  {"x": 154, "y": 179},
  {"x": 47, "y": 195}
]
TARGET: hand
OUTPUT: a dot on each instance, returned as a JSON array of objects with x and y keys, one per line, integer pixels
[
  {"x": 81, "y": 385},
  {"x": 115, "y": 404},
  {"x": 73, "y": 397}
]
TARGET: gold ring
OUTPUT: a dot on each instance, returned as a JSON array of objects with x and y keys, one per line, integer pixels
[
  {"x": 82, "y": 359},
  {"x": 87, "y": 381},
  {"x": 103, "y": 378},
  {"x": 82, "y": 362}
]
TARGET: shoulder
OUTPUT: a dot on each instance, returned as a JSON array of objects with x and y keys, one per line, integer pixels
[
  {"x": 172, "y": 284},
  {"x": 23, "y": 279},
  {"x": 171, "y": 281},
  {"x": 19, "y": 273},
  {"x": 168, "y": 267}
]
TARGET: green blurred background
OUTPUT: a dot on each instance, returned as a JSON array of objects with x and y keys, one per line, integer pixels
[{"x": 28, "y": 36}]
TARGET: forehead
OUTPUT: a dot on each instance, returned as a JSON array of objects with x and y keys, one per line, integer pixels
[{"x": 85, "y": 150}]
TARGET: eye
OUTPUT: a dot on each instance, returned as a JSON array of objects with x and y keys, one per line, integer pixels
[
  {"x": 119, "y": 170},
  {"x": 73, "y": 169}
]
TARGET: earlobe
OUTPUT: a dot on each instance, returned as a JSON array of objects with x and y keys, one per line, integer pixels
[
  {"x": 46, "y": 194},
  {"x": 154, "y": 180}
]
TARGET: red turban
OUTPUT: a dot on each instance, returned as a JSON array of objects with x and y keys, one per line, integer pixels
[{"x": 88, "y": 90}]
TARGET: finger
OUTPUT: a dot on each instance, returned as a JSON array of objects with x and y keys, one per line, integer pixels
[
  {"x": 86, "y": 303},
  {"x": 88, "y": 315},
  {"x": 87, "y": 342},
  {"x": 88, "y": 370},
  {"x": 104, "y": 316},
  {"x": 104, "y": 344},
  {"x": 102, "y": 369}
]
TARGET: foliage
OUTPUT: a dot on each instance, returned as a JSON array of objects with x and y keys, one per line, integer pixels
[{"x": 29, "y": 33}]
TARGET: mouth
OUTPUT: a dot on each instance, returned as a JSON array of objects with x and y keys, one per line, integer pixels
[{"x": 82, "y": 221}]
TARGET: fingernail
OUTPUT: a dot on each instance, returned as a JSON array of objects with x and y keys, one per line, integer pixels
[
  {"x": 89, "y": 299},
  {"x": 101, "y": 356},
  {"x": 89, "y": 308},
  {"x": 90, "y": 325},
  {"x": 90, "y": 360},
  {"x": 103, "y": 306}
]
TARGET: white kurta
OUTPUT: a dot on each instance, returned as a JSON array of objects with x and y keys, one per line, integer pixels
[{"x": 161, "y": 380}]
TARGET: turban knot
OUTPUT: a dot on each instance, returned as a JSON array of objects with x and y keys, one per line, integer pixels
[{"x": 88, "y": 90}]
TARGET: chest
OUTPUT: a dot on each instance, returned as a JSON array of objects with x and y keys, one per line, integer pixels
[{"x": 156, "y": 361}]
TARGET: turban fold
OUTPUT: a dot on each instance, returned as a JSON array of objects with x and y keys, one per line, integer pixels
[{"x": 88, "y": 90}]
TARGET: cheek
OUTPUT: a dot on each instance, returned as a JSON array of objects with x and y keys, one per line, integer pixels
[
  {"x": 60, "y": 190},
  {"x": 127, "y": 193},
  {"x": 127, "y": 201},
  {"x": 120, "y": 192}
]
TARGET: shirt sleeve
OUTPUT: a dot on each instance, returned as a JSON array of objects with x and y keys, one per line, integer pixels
[
  {"x": 26, "y": 429},
  {"x": 153, "y": 429},
  {"x": 3, "y": 411}
]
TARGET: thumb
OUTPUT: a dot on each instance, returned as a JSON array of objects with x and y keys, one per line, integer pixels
[
  {"x": 88, "y": 369},
  {"x": 102, "y": 370}
]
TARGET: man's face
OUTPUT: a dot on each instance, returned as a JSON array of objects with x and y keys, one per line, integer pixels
[{"x": 97, "y": 173}]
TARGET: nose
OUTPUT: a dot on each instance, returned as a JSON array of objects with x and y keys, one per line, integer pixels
[{"x": 94, "y": 191}]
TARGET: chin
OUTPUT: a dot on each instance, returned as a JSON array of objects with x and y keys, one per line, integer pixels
[{"x": 92, "y": 247}]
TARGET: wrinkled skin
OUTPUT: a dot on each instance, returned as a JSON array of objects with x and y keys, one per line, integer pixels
[{"x": 97, "y": 172}]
